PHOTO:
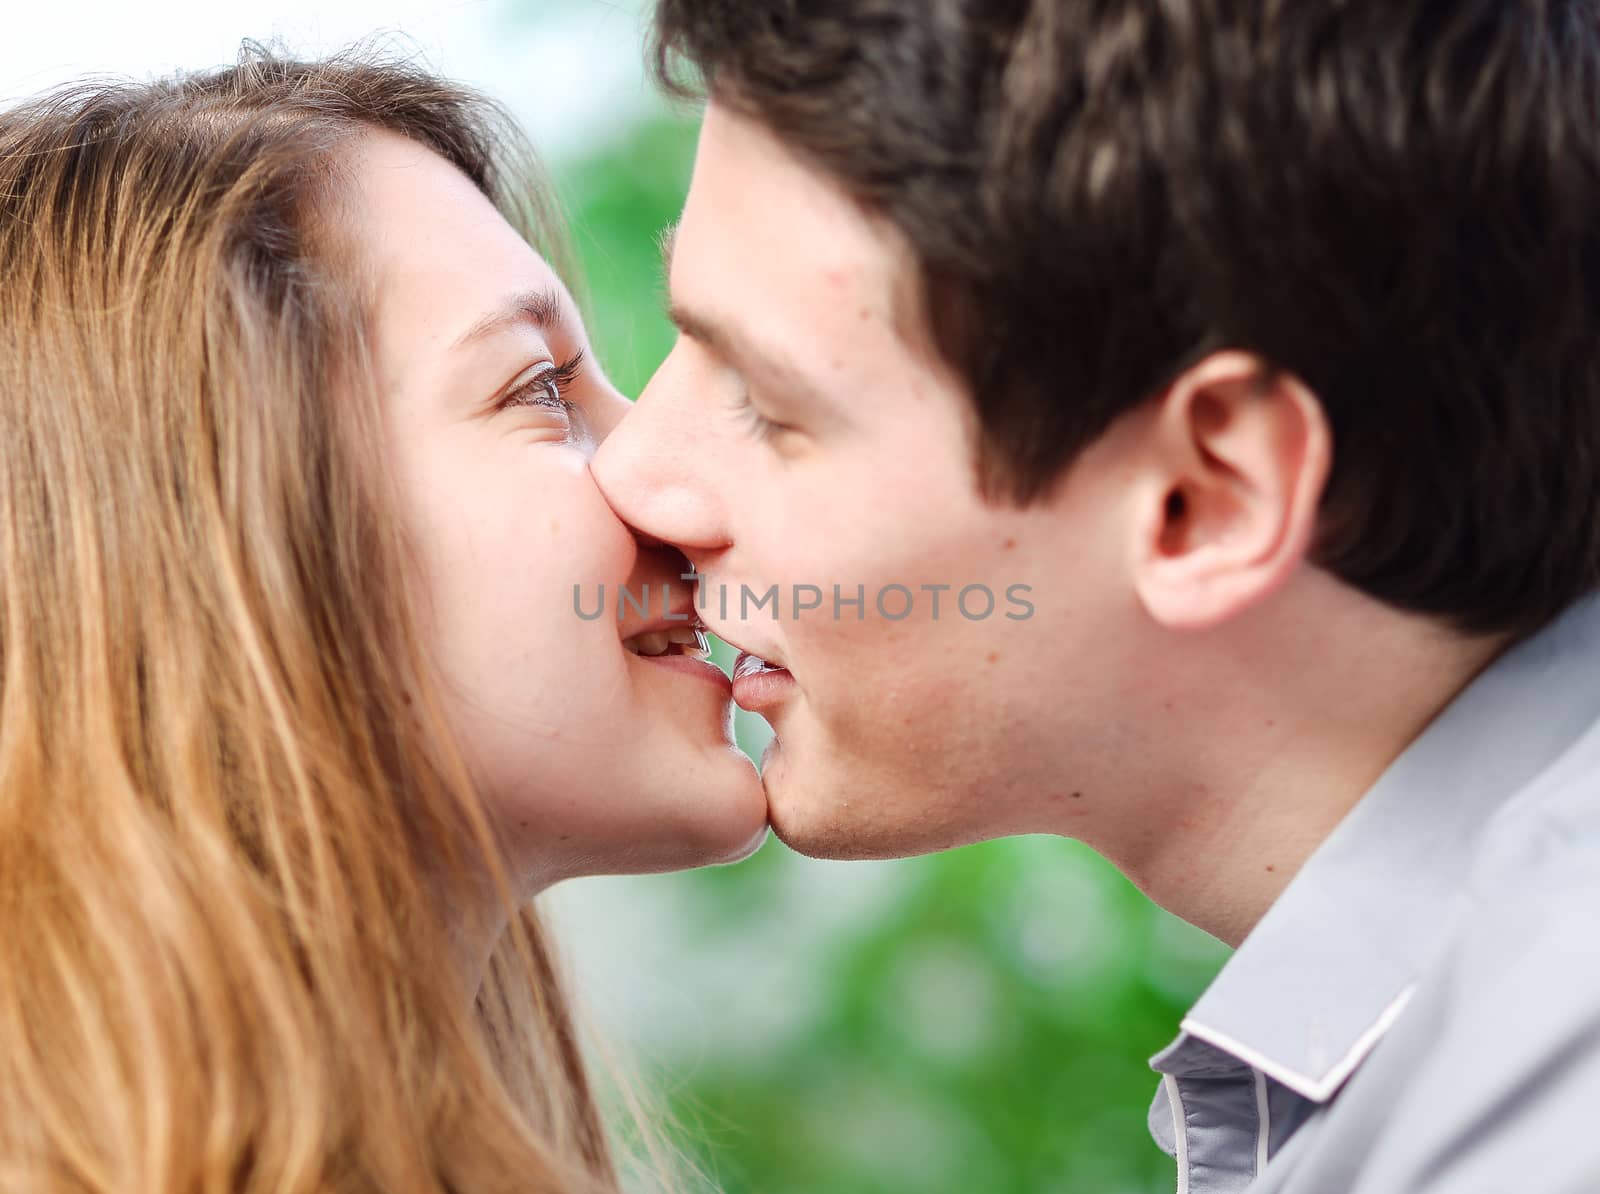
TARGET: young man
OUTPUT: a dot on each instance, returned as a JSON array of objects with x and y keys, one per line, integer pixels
[{"x": 1246, "y": 354}]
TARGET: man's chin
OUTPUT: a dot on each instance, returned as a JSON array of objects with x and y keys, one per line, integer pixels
[
  {"x": 826, "y": 815},
  {"x": 836, "y": 842}
]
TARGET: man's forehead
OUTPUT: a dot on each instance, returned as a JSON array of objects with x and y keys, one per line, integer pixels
[
  {"x": 773, "y": 259},
  {"x": 764, "y": 233}
]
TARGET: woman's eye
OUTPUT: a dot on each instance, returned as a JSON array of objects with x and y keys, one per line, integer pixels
[{"x": 546, "y": 387}]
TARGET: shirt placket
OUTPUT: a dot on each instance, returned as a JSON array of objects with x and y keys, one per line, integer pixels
[{"x": 1220, "y": 1118}]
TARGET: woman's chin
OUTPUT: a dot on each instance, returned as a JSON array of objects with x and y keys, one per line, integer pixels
[
  {"x": 726, "y": 823},
  {"x": 721, "y": 819},
  {"x": 753, "y": 843}
]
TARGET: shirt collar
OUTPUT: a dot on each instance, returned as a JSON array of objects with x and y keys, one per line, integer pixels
[{"x": 1330, "y": 966}]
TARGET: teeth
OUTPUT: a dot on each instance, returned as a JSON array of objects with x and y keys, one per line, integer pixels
[
  {"x": 689, "y": 639},
  {"x": 688, "y": 636},
  {"x": 655, "y": 642},
  {"x": 751, "y": 665}
]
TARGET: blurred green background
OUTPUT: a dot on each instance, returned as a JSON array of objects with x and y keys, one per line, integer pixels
[{"x": 977, "y": 1021}]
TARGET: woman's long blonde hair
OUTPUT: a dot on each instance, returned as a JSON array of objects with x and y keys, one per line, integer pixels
[{"x": 231, "y": 822}]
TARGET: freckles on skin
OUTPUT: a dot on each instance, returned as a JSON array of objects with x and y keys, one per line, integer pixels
[{"x": 1061, "y": 798}]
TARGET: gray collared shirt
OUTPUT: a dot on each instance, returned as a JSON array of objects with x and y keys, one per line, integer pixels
[{"x": 1420, "y": 1010}]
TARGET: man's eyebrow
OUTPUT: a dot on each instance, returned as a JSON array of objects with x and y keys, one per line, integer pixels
[
  {"x": 541, "y": 308},
  {"x": 749, "y": 357},
  {"x": 690, "y": 323},
  {"x": 697, "y": 327},
  {"x": 731, "y": 347},
  {"x": 667, "y": 241}
]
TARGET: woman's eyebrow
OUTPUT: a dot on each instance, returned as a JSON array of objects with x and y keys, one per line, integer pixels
[{"x": 541, "y": 308}]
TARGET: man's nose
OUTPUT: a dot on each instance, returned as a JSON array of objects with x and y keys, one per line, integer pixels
[{"x": 659, "y": 474}]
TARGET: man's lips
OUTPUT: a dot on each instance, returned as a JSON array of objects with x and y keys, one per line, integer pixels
[{"x": 759, "y": 685}]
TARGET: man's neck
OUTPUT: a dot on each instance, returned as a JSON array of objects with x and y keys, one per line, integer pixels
[{"x": 1255, "y": 778}]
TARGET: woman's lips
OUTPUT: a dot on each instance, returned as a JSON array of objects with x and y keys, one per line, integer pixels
[
  {"x": 692, "y": 665},
  {"x": 759, "y": 685}
]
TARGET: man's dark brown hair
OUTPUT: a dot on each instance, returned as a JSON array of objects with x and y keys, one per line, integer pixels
[{"x": 1397, "y": 201}]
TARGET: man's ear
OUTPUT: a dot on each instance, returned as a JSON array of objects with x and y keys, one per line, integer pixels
[{"x": 1231, "y": 481}]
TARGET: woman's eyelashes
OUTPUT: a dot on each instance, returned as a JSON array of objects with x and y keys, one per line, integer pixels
[{"x": 545, "y": 387}]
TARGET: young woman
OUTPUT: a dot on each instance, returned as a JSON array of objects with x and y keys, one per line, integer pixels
[{"x": 295, "y": 710}]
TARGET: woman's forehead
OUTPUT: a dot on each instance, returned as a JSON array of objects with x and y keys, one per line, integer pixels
[{"x": 442, "y": 255}]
